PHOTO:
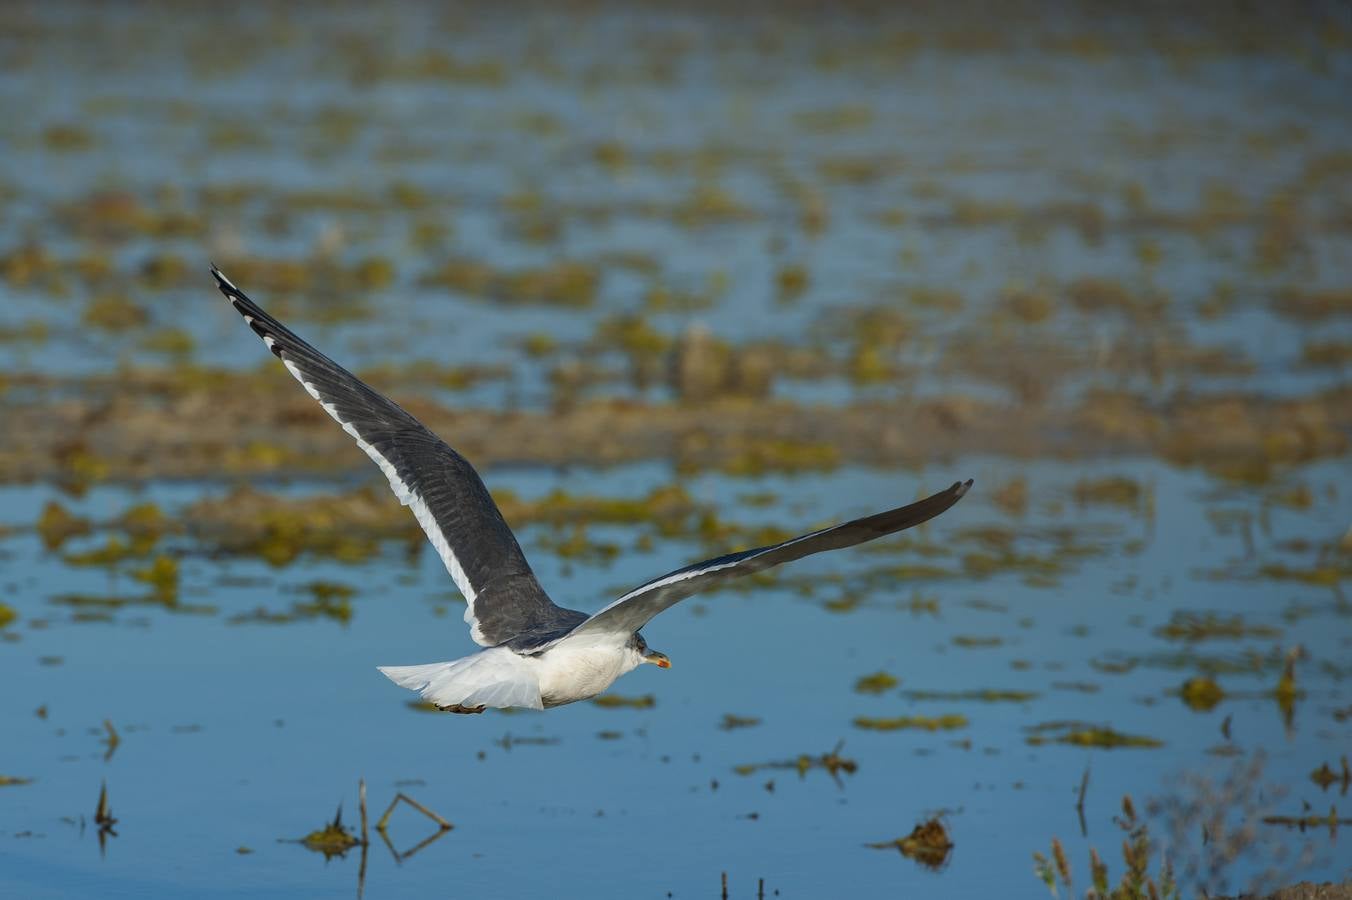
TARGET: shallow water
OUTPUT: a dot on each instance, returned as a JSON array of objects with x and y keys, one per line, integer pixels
[
  {"x": 238, "y": 735},
  {"x": 696, "y": 157}
]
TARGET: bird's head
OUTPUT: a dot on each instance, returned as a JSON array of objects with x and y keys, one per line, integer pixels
[{"x": 649, "y": 655}]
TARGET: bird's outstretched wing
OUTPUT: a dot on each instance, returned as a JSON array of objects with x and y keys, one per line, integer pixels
[
  {"x": 439, "y": 485},
  {"x": 632, "y": 611}
]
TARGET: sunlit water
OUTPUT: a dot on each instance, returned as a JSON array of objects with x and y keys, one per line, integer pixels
[{"x": 240, "y": 735}]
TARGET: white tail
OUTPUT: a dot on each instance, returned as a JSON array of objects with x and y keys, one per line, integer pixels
[{"x": 496, "y": 677}]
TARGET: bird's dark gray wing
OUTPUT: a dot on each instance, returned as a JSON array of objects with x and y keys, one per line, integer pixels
[
  {"x": 632, "y": 611},
  {"x": 443, "y": 490}
]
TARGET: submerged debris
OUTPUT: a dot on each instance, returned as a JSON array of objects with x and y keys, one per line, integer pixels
[{"x": 928, "y": 844}]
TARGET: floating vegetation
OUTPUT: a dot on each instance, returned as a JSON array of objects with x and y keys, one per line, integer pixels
[
  {"x": 114, "y": 551},
  {"x": 1112, "y": 491},
  {"x": 322, "y": 607},
  {"x": 112, "y": 740},
  {"x": 1086, "y": 734},
  {"x": 1311, "y": 820},
  {"x": 13, "y": 780},
  {"x": 91, "y": 607},
  {"x": 333, "y": 838},
  {"x": 103, "y": 815},
  {"x": 1326, "y": 777},
  {"x": 831, "y": 762},
  {"x": 565, "y": 283},
  {"x": 1201, "y": 693},
  {"x": 7, "y": 615},
  {"x": 619, "y": 701},
  {"x": 987, "y": 695},
  {"x": 56, "y": 525},
  {"x": 161, "y": 574},
  {"x": 970, "y": 641},
  {"x": 114, "y": 313},
  {"x": 1286, "y": 693},
  {"x": 731, "y": 722},
  {"x": 928, "y": 844},
  {"x": 922, "y": 723},
  {"x": 346, "y": 527},
  {"x": 1194, "y": 627},
  {"x": 876, "y": 683}
]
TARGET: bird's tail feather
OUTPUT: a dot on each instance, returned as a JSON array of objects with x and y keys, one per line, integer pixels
[{"x": 496, "y": 677}]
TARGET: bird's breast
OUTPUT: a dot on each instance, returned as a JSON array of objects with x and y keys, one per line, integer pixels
[{"x": 568, "y": 675}]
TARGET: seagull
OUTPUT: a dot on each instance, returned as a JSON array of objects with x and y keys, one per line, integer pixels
[{"x": 537, "y": 655}]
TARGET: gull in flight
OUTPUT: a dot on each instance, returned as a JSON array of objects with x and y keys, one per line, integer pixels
[{"x": 537, "y": 655}]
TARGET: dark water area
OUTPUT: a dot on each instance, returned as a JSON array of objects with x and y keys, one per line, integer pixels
[{"x": 681, "y": 282}]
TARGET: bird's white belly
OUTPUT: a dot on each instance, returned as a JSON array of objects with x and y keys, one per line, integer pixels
[{"x": 568, "y": 674}]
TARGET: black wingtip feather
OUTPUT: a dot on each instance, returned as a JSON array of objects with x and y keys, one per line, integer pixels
[{"x": 248, "y": 309}]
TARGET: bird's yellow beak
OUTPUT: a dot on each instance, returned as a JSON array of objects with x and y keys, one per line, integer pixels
[{"x": 658, "y": 659}]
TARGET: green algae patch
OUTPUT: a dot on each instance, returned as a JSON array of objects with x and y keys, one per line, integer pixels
[
  {"x": 345, "y": 527},
  {"x": 1320, "y": 576},
  {"x": 333, "y": 839},
  {"x": 322, "y": 607},
  {"x": 1201, "y": 693},
  {"x": 988, "y": 695},
  {"x": 1112, "y": 491},
  {"x": 928, "y": 844},
  {"x": 57, "y": 525},
  {"x": 7, "y": 615},
  {"x": 876, "y": 683},
  {"x": 922, "y": 723},
  {"x": 620, "y": 701},
  {"x": 566, "y": 283},
  {"x": 114, "y": 313},
  {"x": 114, "y": 551},
  {"x": 13, "y": 781},
  {"x": 1194, "y": 627},
  {"x": 1085, "y": 734},
  {"x": 161, "y": 574}
]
